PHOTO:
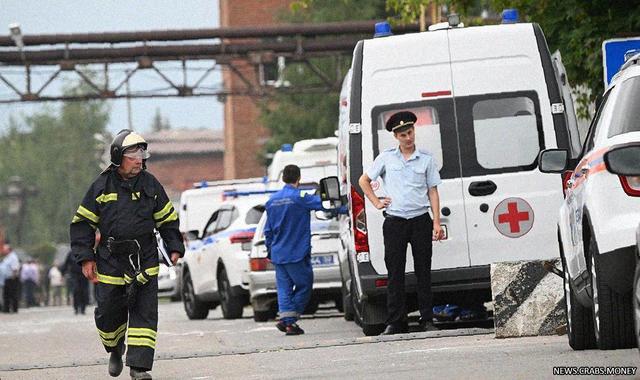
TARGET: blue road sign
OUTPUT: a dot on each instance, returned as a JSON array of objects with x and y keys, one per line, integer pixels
[{"x": 613, "y": 52}]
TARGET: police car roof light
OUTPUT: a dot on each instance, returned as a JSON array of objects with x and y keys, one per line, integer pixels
[
  {"x": 235, "y": 194},
  {"x": 510, "y": 16},
  {"x": 286, "y": 148},
  {"x": 382, "y": 29},
  {"x": 454, "y": 20}
]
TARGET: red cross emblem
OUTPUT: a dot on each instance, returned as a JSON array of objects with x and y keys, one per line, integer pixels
[{"x": 513, "y": 217}]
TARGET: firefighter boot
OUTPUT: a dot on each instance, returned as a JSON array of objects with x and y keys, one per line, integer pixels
[
  {"x": 115, "y": 363},
  {"x": 139, "y": 374}
]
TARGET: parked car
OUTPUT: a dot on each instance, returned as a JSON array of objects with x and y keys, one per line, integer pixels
[
  {"x": 327, "y": 283},
  {"x": 599, "y": 217},
  {"x": 215, "y": 267},
  {"x": 168, "y": 283},
  {"x": 625, "y": 161}
]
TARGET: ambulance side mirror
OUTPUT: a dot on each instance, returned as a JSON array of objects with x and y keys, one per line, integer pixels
[
  {"x": 330, "y": 192},
  {"x": 553, "y": 160},
  {"x": 623, "y": 160}
]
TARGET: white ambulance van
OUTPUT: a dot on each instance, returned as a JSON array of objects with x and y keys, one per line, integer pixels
[
  {"x": 488, "y": 99},
  {"x": 315, "y": 157}
]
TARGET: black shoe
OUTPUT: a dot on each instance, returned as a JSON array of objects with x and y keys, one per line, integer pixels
[
  {"x": 425, "y": 325},
  {"x": 392, "y": 330},
  {"x": 139, "y": 374},
  {"x": 294, "y": 329},
  {"x": 115, "y": 363},
  {"x": 281, "y": 326}
]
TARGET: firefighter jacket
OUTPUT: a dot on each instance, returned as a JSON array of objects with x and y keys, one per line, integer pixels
[{"x": 124, "y": 209}]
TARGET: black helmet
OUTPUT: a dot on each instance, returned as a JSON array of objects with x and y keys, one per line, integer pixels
[{"x": 123, "y": 140}]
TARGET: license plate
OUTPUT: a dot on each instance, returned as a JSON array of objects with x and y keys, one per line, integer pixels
[{"x": 321, "y": 260}]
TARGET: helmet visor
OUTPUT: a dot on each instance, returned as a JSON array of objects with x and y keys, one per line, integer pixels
[{"x": 136, "y": 152}]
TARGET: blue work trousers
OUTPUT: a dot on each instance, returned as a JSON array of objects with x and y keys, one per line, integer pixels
[{"x": 295, "y": 283}]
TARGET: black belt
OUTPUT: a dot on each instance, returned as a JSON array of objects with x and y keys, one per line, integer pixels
[
  {"x": 126, "y": 246},
  {"x": 393, "y": 217}
]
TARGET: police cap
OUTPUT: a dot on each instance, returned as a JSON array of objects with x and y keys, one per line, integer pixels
[{"x": 400, "y": 121}]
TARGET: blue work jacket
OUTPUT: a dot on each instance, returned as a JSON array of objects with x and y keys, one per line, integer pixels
[{"x": 288, "y": 228}]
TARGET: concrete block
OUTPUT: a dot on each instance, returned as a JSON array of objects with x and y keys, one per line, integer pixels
[{"x": 528, "y": 300}]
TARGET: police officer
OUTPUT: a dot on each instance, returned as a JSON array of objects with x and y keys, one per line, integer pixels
[
  {"x": 126, "y": 203},
  {"x": 411, "y": 178},
  {"x": 288, "y": 240}
]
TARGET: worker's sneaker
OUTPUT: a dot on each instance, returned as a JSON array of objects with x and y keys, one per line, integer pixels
[
  {"x": 139, "y": 374},
  {"x": 281, "y": 326},
  {"x": 294, "y": 329},
  {"x": 115, "y": 363}
]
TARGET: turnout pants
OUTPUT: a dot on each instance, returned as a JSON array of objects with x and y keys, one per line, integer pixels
[
  {"x": 116, "y": 318},
  {"x": 398, "y": 232},
  {"x": 295, "y": 283}
]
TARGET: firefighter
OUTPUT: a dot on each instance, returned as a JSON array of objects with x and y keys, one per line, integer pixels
[{"x": 126, "y": 204}]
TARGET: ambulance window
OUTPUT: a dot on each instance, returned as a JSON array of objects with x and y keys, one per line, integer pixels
[
  {"x": 427, "y": 131},
  {"x": 626, "y": 112},
  {"x": 506, "y": 132}
]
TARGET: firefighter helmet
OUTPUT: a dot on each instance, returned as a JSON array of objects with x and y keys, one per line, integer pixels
[{"x": 123, "y": 140}]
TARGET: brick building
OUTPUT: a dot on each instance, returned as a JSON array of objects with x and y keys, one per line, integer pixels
[
  {"x": 243, "y": 134},
  {"x": 183, "y": 156}
]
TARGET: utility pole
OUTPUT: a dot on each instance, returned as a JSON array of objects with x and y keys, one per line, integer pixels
[{"x": 130, "y": 122}]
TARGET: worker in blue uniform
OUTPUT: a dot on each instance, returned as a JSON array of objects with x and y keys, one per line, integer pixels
[{"x": 288, "y": 240}]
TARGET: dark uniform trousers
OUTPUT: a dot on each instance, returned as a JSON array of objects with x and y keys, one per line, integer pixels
[
  {"x": 113, "y": 310},
  {"x": 398, "y": 232}
]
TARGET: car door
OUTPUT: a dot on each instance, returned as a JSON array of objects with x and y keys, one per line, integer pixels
[
  {"x": 218, "y": 243},
  {"x": 504, "y": 119},
  {"x": 198, "y": 269}
]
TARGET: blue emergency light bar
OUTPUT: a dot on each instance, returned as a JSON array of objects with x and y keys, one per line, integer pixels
[
  {"x": 235, "y": 194},
  {"x": 510, "y": 16}
]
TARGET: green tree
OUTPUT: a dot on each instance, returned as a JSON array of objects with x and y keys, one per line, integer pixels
[
  {"x": 301, "y": 116},
  {"x": 576, "y": 28},
  {"x": 55, "y": 153}
]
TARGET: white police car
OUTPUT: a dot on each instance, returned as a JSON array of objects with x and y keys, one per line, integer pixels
[
  {"x": 599, "y": 216},
  {"x": 327, "y": 283},
  {"x": 215, "y": 267}
]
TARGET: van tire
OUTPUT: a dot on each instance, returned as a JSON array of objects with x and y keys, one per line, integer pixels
[
  {"x": 636, "y": 303},
  {"x": 194, "y": 308},
  {"x": 372, "y": 330},
  {"x": 262, "y": 316},
  {"x": 231, "y": 304},
  {"x": 612, "y": 312},
  {"x": 347, "y": 304},
  {"x": 579, "y": 318}
]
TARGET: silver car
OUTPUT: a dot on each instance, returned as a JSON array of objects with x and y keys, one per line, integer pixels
[{"x": 327, "y": 282}]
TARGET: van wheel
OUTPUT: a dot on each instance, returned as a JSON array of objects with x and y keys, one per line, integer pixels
[
  {"x": 231, "y": 304},
  {"x": 579, "y": 318},
  {"x": 347, "y": 304},
  {"x": 636, "y": 302},
  {"x": 195, "y": 309},
  {"x": 312, "y": 306},
  {"x": 262, "y": 316},
  {"x": 371, "y": 330},
  {"x": 612, "y": 313}
]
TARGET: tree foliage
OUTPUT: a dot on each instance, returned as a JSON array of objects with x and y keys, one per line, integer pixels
[
  {"x": 575, "y": 28},
  {"x": 301, "y": 116},
  {"x": 55, "y": 153}
]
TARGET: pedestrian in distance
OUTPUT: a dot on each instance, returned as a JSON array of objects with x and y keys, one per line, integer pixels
[
  {"x": 288, "y": 241},
  {"x": 10, "y": 268},
  {"x": 126, "y": 204},
  {"x": 56, "y": 281},
  {"x": 411, "y": 178},
  {"x": 29, "y": 278}
]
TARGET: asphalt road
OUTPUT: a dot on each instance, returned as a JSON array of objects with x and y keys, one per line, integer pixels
[{"x": 53, "y": 343}]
